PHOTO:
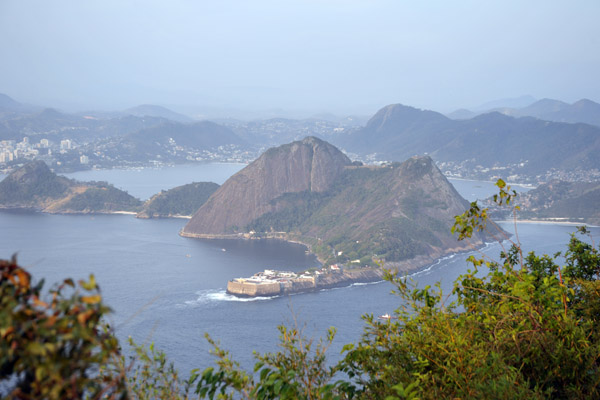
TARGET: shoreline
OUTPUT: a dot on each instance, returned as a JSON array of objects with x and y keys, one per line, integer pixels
[
  {"x": 547, "y": 222},
  {"x": 271, "y": 283},
  {"x": 524, "y": 185},
  {"x": 409, "y": 266}
]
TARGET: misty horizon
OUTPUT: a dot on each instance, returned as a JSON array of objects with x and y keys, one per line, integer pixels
[{"x": 297, "y": 58}]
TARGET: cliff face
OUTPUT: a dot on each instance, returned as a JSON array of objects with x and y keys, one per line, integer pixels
[
  {"x": 307, "y": 191},
  {"x": 309, "y": 165}
]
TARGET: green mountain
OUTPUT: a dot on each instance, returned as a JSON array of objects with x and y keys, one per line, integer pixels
[
  {"x": 177, "y": 202},
  {"x": 489, "y": 140},
  {"x": 572, "y": 201},
  {"x": 35, "y": 186},
  {"x": 309, "y": 191}
]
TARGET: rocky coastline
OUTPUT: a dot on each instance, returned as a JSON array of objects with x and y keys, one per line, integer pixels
[{"x": 405, "y": 266}]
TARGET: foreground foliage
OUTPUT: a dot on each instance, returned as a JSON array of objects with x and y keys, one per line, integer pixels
[
  {"x": 55, "y": 348},
  {"x": 521, "y": 327}
]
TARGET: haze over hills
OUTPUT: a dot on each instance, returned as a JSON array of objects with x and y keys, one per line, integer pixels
[
  {"x": 491, "y": 145},
  {"x": 9, "y": 107},
  {"x": 309, "y": 191},
  {"x": 513, "y": 102},
  {"x": 71, "y": 142},
  {"x": 584, "y": 111},
  {"x": 55, "y": 125},
  {"x": 152, "y": 110},
  {"x": 527, "y": 145},
  {"x": 173, "y": 140}
]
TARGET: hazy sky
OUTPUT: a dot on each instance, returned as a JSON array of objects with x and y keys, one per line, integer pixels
[{"x": 341, "y": 56}]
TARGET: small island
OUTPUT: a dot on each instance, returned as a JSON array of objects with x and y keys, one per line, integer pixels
[{"x": 274, "y": 283}]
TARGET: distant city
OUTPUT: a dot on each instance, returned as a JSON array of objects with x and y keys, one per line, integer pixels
[{"x": 529, "y": 139}]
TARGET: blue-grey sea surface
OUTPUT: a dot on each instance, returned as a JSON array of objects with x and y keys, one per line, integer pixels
[{"x": 170, "y": 290}]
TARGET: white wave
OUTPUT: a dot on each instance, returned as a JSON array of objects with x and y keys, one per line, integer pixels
[
  {"x": 207, "y": 297},
  {"x": 222, "y": 295},
  {"x": 366, "y": 283}
]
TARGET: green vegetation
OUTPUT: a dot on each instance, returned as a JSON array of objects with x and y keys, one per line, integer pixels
[
  {"x": 520, "y": 327},
  {"x": 182, "y": 200},
  {"x": 58, "y": 348},
  {"x": 35, "y": 186},
  {"x": 31, "y": 182},
  {"x": 531, "y": 146},
  {"x": 101, "y": 198},
  {"x": 384, "y": 213},
  {"x": 295, "y": 208}
]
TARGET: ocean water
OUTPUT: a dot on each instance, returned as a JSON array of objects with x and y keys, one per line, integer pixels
[
  {"x": 145, "y": 182},
  {"x": 171, "y": 290},
  {"x": 479, "y": 190}
]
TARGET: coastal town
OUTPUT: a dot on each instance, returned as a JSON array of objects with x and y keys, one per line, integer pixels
[{"x": 67, "y": 155}]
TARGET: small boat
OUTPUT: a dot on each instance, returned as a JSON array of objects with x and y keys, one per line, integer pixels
[
  {"x": 386, "y": 316},
  {"x": 223, "y": 249}
]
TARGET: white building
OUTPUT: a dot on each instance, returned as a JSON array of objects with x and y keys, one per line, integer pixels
[
  {"x": 84, "y": 159},
  {"x": 6, "y": 156},
  {"x": 65, "y": 144}
]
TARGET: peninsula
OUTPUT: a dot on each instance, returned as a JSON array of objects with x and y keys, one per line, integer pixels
[
  {"x": 35, "y": 186},
  {"x": 346, "y": 213}
]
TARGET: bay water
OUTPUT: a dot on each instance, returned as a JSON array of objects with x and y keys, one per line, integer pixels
[{"x": 170, "y": 290}]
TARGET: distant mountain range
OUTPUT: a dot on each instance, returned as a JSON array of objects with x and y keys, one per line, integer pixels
[
  {"x": 310, "y": 192},
  {"x": 513, "y": 102},
  {"x": 55, "y": 125},
  {"x": 503, "y": 143},
  {"x": 584, "y": 111},
  {"x": 150, "y": 110},
  {"x": 9, "y": 106},
  {"x": 489, "y": 140}
]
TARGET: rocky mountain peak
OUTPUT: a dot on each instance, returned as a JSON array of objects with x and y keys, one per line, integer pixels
[{"x": 308, "y": 165}]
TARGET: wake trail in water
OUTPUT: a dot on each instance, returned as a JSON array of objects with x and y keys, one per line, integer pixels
[{"x": 213, "y": 296}]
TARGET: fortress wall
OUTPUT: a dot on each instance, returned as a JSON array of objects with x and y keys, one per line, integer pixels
[{"x": 240, "y": 288}]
